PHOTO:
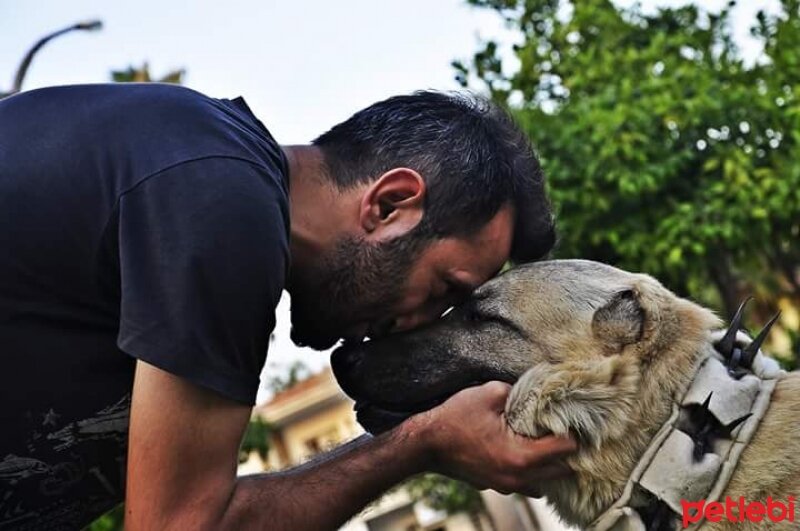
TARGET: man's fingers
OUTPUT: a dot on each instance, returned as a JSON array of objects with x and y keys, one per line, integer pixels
[
  {"x": 498, "y": 393},
  {"x": 493, "y": 394},
  {"x": 515, "y": 463}
]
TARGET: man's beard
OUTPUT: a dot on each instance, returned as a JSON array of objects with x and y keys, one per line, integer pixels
[{"x": 357, "y": 282}]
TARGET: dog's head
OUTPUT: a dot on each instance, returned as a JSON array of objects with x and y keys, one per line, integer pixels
[{"x": 541, "y": 315}]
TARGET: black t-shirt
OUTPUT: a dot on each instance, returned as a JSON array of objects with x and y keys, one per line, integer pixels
[{"x": 137, "y": 221}]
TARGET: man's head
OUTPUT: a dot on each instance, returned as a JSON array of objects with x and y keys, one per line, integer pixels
[{"x": 444, "y": 190}]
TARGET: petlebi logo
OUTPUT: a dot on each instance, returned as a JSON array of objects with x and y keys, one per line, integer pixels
[{"x": 739, "y": 510}]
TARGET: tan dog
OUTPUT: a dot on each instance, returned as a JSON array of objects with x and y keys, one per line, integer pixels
[{"x": 594, "y": 351}]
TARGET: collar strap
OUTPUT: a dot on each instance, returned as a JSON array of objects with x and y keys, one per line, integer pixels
[{"x": 694, "y": 454}]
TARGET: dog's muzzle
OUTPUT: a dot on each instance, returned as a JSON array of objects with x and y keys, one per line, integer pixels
[{"x": 381, "y": 405}]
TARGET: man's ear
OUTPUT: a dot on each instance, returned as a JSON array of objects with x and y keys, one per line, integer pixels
[
  {"x": 393, "y": 204},
  {"x": 620, "y": 322}
]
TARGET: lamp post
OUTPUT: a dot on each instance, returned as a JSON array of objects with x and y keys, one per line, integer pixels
[{"x": 90, "y": 25}]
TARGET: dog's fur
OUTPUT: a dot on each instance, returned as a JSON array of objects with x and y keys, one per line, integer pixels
[{"x": 593, "y": 351}]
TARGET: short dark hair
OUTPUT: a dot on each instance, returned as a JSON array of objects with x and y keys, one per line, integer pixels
[{"x": 473, "y": 157}]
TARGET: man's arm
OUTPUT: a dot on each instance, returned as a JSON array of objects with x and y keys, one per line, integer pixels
[{"x": 183, "y": 446}]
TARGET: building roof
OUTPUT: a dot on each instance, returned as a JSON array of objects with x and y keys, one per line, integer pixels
[
  {"x": 315, "y": 380},
  {"x": 302, "y": 399}
]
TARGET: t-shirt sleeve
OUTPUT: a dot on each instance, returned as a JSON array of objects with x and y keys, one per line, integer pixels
[{"x": 203, "y": 251}]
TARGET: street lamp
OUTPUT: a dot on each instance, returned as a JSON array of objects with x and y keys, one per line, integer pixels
[{"x": 90, "y": 25}]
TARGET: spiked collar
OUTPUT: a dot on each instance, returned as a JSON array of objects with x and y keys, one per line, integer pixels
[{"x": 694, "y": 454}]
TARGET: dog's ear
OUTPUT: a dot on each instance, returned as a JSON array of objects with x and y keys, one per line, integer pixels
[
  {"x": 590, "y": 398},
  {"x": 620, "y": 322}
]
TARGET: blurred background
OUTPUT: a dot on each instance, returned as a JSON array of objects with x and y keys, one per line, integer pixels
[{"x": 669, "y": 130}]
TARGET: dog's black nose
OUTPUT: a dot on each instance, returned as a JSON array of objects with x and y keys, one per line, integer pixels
[{"x": 345, "y": 361}]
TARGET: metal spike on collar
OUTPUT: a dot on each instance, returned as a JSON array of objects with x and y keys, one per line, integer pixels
[
  {"x": 725, "y": 345},
  {"x": 740, "y": 361},
  {"x": 706, "y": 403},
  {"x": 727, "y": 429},
  {"x": 704, "y": 428},
  {"x": 657, "y": 515},
  {"x": 750, "y": 351},
  {"x": 663, "y": 519}
]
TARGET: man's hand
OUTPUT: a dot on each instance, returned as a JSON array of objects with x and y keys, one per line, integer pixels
[{"x": 469, "y": 439}]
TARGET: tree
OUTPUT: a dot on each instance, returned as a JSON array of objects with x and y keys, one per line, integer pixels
[
  {"x": 142, "y": 75},
  {"x": 665, "y": 151},
  {"x": 256, "y": 439},
  {"x": 296, "y": 373},
  {"x": 113, "y": 520},
  {"x": 448, "y": 495}
]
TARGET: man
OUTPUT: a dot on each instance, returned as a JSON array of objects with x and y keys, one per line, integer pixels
[{"x": 146, "y": 240}]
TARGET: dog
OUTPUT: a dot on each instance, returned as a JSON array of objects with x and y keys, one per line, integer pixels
[{"x": 605, "y": 355}]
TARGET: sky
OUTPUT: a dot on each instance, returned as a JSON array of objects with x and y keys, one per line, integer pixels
[{"x": 302, "y": 65}]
